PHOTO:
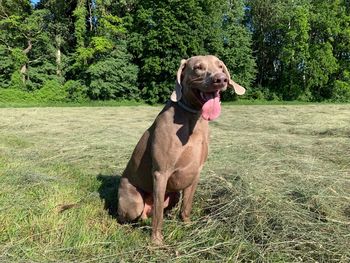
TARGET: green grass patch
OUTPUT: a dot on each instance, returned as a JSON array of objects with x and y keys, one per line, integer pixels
[
  {"x": 279, "y": 102},
  {"x": 108, "y": 103},
  {"x": 275, "y": 187}
]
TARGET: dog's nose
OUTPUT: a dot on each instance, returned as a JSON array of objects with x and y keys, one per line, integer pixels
[{"x": 220, "y": 78}]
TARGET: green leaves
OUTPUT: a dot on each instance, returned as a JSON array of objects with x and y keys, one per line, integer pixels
[
  {"x": 112, "y": 24},
  {"x": 18, "y": 57},
  {"x": 101, "y": 44},
  {"x": 288, "y": 49},
  {"x": 167, "y": 31},
  {"x": 80, "y": 14},
  {"x": 300, "y": 46},
  {"x": 112, "y": 78}
]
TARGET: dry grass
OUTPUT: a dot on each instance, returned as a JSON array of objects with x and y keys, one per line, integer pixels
[{"x": 276, "y": 187}]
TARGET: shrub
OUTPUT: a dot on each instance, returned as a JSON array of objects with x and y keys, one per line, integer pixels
[
  {"x": 112, "y": 80},
  {"x": 262, "y": 94},
  {"x": 17, "y": 81},
  {"x": 113, "y": 77},
  {"x": 75, "y": 91},
  {"x": 52, "y": 91},
  {"x": 39, "y": 74},
  {"x": 15, "y": 95},
  {"x": 341, "y": 91}
]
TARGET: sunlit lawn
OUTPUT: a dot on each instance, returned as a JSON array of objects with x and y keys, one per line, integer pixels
[{"x": 275, "y": 188}]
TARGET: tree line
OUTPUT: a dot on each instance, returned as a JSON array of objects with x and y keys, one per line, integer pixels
[{"x": 77, "y": 50}]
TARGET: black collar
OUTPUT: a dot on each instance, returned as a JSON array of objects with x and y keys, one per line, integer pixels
[{"x": 186, "y": 107}]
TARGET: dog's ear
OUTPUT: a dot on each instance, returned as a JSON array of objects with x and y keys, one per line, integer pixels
[
  {"x": 177, "y": 93},
  {"x": 237, "y": 88}
]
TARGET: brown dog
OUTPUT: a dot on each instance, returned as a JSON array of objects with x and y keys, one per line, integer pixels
[{"x": 171, "y": 153}]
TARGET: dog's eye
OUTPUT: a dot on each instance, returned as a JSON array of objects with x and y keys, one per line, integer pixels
[
  {"x": 199, "y": 67},
  {"x": 221, "y": 67}
]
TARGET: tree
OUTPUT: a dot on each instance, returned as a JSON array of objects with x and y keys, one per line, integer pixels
[
  {"x": 12, "y": 40},
  {"x": 301, "y": 47},
  {"x": 280, "y": 43},
  {"x": 341, "y": 51},
  {"x": 164, "y": 32},
  {"x": 236, "y": 49},
  {"x": 26, "y": 42},
  {"x": 322, "y": 65},
  {"x": 101, "y": 57},
  {"x": 59, "y": 25},
  {"x": 263, "y": 20},
  {"x": 294, "y": 55},
  {"x": 112, "y": 78},
  {"x": 291, "y": 49}
]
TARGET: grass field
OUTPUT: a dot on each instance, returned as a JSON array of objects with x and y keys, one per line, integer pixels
[{"x": 275, "y": 188}]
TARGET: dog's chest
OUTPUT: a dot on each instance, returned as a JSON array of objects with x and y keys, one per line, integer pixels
[{"x": 189, "y": 163}]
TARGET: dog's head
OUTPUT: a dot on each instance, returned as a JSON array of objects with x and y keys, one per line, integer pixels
[{"x": 200, "y": 80}]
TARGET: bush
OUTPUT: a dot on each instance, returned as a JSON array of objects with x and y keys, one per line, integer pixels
[
  {"x": 52, "y": 91},
  {"x": 75, "y": 91},
  {"x": 17, "y": 81},
  {"x": 341, "y": 92},
  {"x": 15, "y": 95},
  {"x": 110, "y": 79},
  {"x": 39, "y": 74},
  {"x": 262, "y": 94},
  {"x": 113, "y": 77},
  {"x": 6, "y": 67}
]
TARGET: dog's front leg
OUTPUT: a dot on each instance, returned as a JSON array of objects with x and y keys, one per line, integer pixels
[
  {"x": 187, "y": 200},
  {"x": 159, "y": 187}
]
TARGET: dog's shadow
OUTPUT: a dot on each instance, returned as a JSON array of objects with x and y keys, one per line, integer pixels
[{"x": 108, "y": 191}]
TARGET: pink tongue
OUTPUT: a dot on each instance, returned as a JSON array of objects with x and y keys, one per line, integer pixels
[{"x": 211, "y": 109}]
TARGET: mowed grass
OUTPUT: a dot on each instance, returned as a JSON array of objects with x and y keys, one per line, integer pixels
[{"x": 275, "y": 188}]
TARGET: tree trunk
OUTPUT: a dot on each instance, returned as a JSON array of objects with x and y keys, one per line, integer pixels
[
  {"x": 24, "y": 67},
  {"x": 23, "y": 73},
  {"x": 58, "y": 63},
  {"x": 26, "y": 51},
  {"x": 90, "y": 16},
  {"x": 58, "y": 56}
]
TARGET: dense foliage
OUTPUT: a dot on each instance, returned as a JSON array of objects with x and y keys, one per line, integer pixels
[{"x": 78, "y": 50}]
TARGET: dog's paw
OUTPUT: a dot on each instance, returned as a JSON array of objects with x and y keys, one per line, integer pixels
[
  {"x": 186, "y": 220},
  {"x": 157, "y": 239}
]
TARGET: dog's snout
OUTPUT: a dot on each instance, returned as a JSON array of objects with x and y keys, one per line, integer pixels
[{"x": 220, "y": 78}]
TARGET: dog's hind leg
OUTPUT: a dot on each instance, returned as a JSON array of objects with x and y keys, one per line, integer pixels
[{"x": 130, "y": 202}]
